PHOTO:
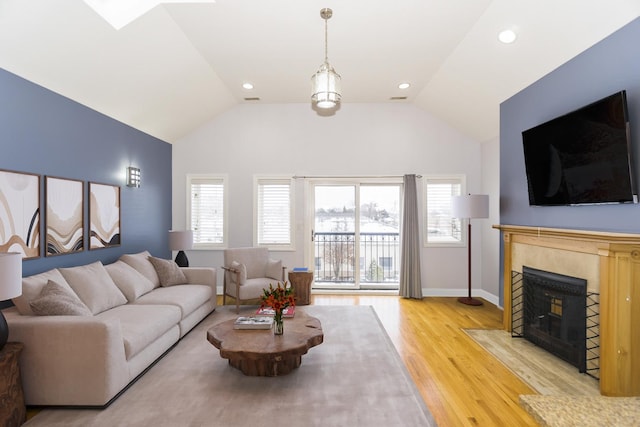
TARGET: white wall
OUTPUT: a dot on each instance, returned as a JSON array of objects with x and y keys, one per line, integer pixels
[
  {"x": 360, "y": 140},
  {"x": 490, "y": 236}
]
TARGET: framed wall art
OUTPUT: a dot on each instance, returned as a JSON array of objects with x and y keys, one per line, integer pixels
[
  {"x": 65, "y": 216},
  {"x": 20, "y": 213},
  {"x": 104, "y": 215}
]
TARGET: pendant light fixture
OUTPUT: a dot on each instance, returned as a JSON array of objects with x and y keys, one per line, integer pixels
[{"x": 325, "y": 83}]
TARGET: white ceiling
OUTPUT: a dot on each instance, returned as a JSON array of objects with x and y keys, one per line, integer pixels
[{"x": 179, "y": 65}]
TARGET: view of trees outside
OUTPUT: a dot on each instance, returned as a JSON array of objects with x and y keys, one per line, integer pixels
[{"x": 335, "y": 238}]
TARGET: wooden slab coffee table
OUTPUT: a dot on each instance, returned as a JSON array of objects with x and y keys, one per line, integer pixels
[{"x": 260, "y": 352}]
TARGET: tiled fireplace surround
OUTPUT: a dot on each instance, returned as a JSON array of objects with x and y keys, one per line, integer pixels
[{"x": 610, "y": 262}]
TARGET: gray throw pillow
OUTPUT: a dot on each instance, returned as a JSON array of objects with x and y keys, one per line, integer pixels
[
  {"x": 56, "y": 300},
  {"x": 168, "y": 272}
]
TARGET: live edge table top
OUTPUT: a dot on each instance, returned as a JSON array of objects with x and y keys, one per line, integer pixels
[{"x": 260, "y": 352}]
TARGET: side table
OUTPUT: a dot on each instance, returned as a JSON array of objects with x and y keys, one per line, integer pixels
[
  {"x": 301, "y": 282},
  {"x": 12, "y": 411}
]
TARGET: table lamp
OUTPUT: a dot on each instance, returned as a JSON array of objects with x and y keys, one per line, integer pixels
[
  {"x": 467, "y": 207},
  {"x": 181, "y": 241},
  {"x": 10, "y": 286}
]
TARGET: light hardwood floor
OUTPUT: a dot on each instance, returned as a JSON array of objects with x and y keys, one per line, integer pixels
[{"x": 461, "y": 383}]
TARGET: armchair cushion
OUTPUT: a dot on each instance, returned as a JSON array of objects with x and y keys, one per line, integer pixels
[
  {"x": 274, "y": 269},
  {"x": 243, "y": 272},
  {"x": 57, "y": 300}
]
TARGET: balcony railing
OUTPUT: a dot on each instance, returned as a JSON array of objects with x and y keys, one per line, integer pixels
[{"x": 378, "y": 257}]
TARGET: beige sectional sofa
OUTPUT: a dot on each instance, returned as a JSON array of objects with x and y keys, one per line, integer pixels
[{"x": 89, "y": 331}]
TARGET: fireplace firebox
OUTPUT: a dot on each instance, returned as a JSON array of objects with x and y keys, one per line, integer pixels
[{"x": 554, "y": 314}]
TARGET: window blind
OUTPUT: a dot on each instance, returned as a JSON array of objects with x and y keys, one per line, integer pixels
[
  {"x": 274, "y": 212},
  {"x": 207, "y": 210}
]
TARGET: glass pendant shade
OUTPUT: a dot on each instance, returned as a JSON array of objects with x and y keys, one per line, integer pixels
[{"x": 325, "y": 87}]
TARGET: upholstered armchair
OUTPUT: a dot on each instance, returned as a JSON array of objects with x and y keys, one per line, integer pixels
[{"x": 247, "y": 271}]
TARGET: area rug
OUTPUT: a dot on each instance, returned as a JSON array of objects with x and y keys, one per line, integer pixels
[
  {"x": 354, "y": 378},
  {"x": 567, "y": 398}
]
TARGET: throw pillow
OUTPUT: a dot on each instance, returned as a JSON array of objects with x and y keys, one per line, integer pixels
[
  {"x": 140, "y": 262},
  {"x": 168, "y": 272},
  {"x": 32, "y": 286},
  {"x": 56, "y": 300},
  {"x": 94, "y": 286},
  {"x": 243, "y": 272},
  {"x": 130, "y": 282},
  {"x": 274, "y": 269}
]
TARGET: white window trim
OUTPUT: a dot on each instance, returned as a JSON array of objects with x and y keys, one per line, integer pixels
[
  {"x": 463, "y": 232},
  {"x": 257, "y": 180},
  {"x": 225, "y": 215}
]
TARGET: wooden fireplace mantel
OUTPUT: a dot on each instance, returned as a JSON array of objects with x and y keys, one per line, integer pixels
[{"x": 614, "y": 258}]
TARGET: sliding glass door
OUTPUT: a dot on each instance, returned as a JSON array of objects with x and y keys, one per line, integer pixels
[{"x": 355, "y": 234}]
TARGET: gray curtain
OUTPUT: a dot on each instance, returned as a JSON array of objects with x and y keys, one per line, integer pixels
[{"x": 410, "y": 283}]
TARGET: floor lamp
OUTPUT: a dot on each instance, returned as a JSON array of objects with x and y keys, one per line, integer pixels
[{"x": 468, "y": 207}]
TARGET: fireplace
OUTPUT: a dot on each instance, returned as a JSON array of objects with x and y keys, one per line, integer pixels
[
  {"x": 554, "y": 314},
  {"x": 610, "y": 263}
]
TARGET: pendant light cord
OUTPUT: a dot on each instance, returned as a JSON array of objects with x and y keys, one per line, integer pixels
[{"x": 326, "y": 42}]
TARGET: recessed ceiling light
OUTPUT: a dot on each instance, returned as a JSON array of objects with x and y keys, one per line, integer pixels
[
  {"x": 247, "y": 86},
  {"x": 507, "y": 36},
  {"x": 403, "y": 86}
]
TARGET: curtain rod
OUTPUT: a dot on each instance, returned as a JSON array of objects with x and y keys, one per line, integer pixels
[{"x": 348, "y": 177}]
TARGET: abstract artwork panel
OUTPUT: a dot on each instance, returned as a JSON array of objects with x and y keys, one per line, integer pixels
[
  {"x": 104, "y": 215},
  {"x": 65, "y": 216},
  {"x": 20, "y": 213}
]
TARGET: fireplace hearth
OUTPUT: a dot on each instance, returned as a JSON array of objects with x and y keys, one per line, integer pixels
[{"x": 554, "y": 314}]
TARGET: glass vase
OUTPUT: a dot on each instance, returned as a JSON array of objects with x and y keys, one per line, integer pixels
[{"x": 278, "y": 325}]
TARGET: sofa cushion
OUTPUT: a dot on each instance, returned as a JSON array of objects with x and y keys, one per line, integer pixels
[
  {"x": 274, "y": 269},
  {"x": 168, "y": 272},
  {"x": 142, "y": 324},
  {"x": 94, "y": 286},
  {"x": 32, "y": 286},
  {"x": 130, "y": 282},
  {"x": 243, "y": 272},
  {"x": 187, "y": 297},
  {"x": 56, "y": 300},
  {"x": 140, "y": 262}
]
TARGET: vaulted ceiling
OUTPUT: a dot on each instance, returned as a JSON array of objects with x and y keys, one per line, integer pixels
[{"x": 179, "y": 65}]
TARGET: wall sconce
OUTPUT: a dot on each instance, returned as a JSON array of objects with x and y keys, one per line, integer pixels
[{"x": 133, "y": 177}]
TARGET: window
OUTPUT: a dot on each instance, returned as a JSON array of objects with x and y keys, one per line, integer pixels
[
  {"x": 207, "y": 210},
  {"x": 273, "y": 212},
  {"x": 441, "y": 229}
]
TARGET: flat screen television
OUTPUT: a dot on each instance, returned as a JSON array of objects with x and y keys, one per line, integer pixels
[{"x": 583, "y": 157}]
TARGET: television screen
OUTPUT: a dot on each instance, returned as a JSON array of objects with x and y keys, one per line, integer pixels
[{"x": 582, "y": 157}]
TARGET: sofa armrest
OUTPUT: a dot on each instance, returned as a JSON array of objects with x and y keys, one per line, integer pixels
[
  {"x": 202, "y": 276},
  {"x": 77, "y": 360}
]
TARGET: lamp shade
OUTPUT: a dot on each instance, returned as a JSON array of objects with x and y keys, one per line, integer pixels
[
  {"x": 325, "y": 87},
  {"x": 180, "y": 240},
  {"x": 470, "y": 206},
  {"x": 10, "y": 275}
]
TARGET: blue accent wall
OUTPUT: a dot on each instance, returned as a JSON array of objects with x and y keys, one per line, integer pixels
[
  {"x": 45, "y": 133},
  {"x": 607, "y": 67}
]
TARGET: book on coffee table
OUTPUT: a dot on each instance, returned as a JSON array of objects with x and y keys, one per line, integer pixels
[
  {"x": 266, "y": 311},
  {"x": 253, "y": 322}
]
